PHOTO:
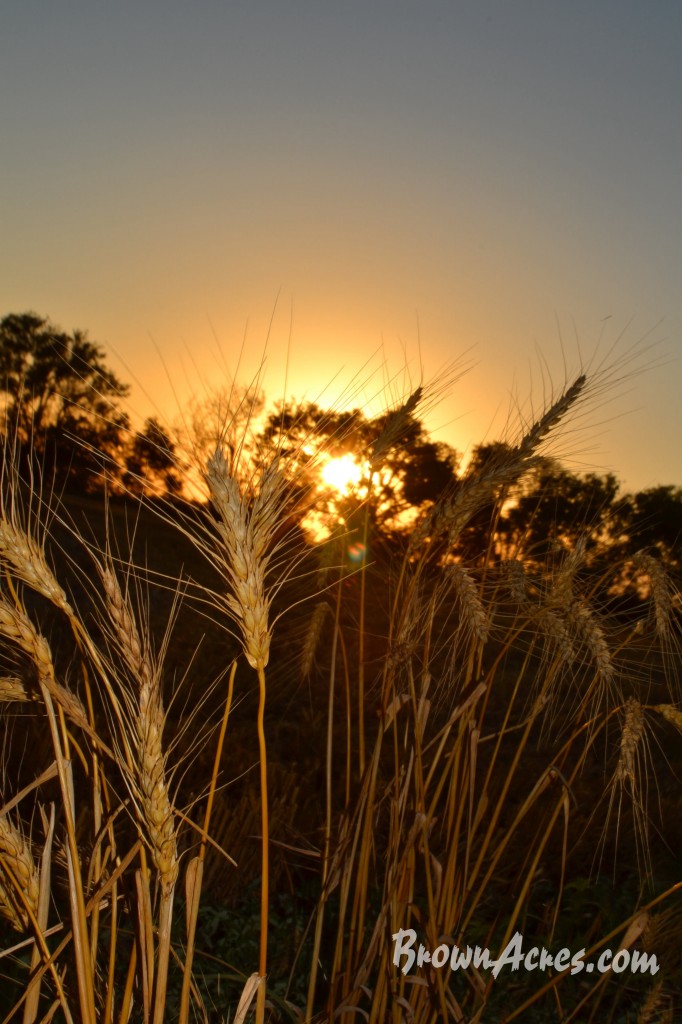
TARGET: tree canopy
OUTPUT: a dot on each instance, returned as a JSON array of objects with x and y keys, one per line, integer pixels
[
  {"x": 64, "y": 406},
  {"x": 62, "y": 409},
  {"x": 151, "y": 464},
  {"x": 411, "y": 472},
  {"x": 61, "y": 401}
]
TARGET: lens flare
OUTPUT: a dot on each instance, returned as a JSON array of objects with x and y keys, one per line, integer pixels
[{"x": 356, "y": 552}]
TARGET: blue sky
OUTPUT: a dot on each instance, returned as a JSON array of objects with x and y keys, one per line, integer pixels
[{"x": 396, "y": 181}]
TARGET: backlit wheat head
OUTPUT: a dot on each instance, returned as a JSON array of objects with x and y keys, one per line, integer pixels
[
  {"x": 459, "y": 504},
  {"x": 146, "y": 712},
  {"x": 17, "y": 872},
  {"x": 27, "y": 560},
  {"x": 16, "y": 627},
  {"x": 247, "y": 525}
]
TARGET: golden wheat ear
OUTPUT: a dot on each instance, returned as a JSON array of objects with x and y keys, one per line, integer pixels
[
  {"x": 143, "y": 747},
  {"x": 12, "y": 689},
  {"x": 550, "y": 419},
  {"x": 473, "y": 610},
  {"x": 248, "y": 523},
  {"x": 28, "y": 562},
  {"x": 671, "y": 714},
  {"x": 19, "y": 876},
  {"x": 23, "y": 511},
  {"x": 16, "y": 626},
  {"x": 466, "y": 497},
  {"x": 394, "y": 426},
  {"x": 660, "y": 591},
  {"x": 633, "y": 731}
]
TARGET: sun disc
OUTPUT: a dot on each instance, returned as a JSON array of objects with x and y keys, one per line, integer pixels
[{"x": 342, "y": 473}]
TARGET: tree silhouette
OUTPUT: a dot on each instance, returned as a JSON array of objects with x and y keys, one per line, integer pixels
[
  {"x": 151, "y": 464},
  {"x": 553, "y": 506},
  {"x": 61, "y": 401},
  {"x": 412, "y": 470},
  {"x": 653, "y": 519},
  {"x": 223, "y": 416}
]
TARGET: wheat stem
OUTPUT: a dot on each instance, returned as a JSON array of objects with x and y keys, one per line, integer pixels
[
  {"x": 265, "y": 851},
  {"x": 193, "y": 898}
]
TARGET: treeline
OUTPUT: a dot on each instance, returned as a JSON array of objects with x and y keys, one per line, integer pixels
[
  {"x": 64, "y": 415},
  {"x": 64, "y": 410}
]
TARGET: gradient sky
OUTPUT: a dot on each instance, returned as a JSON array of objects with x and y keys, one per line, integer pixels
[{"x": 395, "y": 180}]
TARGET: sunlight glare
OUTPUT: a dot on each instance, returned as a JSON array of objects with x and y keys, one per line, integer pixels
[{"x": 342, "y": 473}]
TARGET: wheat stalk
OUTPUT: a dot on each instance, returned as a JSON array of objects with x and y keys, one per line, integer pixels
[
  {"x": 542, "y": 427},
  {"x": 147, "y": 764},
  {"x": 157, "y": 808},
  {"x": 18, "y": 869},
  {"x": 515, "y": 577},
  {"x": 671, "y": 714},
  {"x": 660, "y": 591},
  {"x": 13, "y": 689},
  {"x": 312, "y": 638},
  {"x": 15, "y": 625},
  {"x": 581, "y": 616},
  {"x": 652, "y": 1010},
  {"x": 474, "y": 614},
  {"x": 247, "y": 524},
  {"x": 27, "y": 559},
  {"x": 125, "y": 627},
  {"x": 477, "y": 489},
  {"x": 393, "y": 427},
  {"x": 556, "y": 629},
  {"x": 148, "y": 759},
  {"x": 562, "y": 584},
  {"x": 633, "y": 730}
]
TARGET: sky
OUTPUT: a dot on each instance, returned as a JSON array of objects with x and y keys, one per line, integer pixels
[{"x": 367, "y": 192}]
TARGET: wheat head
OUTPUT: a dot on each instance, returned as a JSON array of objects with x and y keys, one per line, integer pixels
[
  {"x": 147, "y": 759},
  {"x": 17, "y": 867},
  {"x": 633, "y": 730},
  {"x": 27, "y": 559},
  {"x": 247, "y": 525},
  {"x": 16, "y": 626}
]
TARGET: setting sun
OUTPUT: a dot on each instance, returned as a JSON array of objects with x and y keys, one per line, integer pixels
[{"x": 342, "y": 473}]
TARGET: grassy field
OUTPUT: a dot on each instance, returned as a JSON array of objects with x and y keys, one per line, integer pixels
[{"x": 238, "y": 763}]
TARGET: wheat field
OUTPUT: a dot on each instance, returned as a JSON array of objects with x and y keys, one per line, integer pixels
[{"x": 237, "y": 762}]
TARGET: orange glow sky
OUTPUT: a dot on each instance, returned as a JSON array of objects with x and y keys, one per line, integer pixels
[{"x": 429, "y": 178}]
